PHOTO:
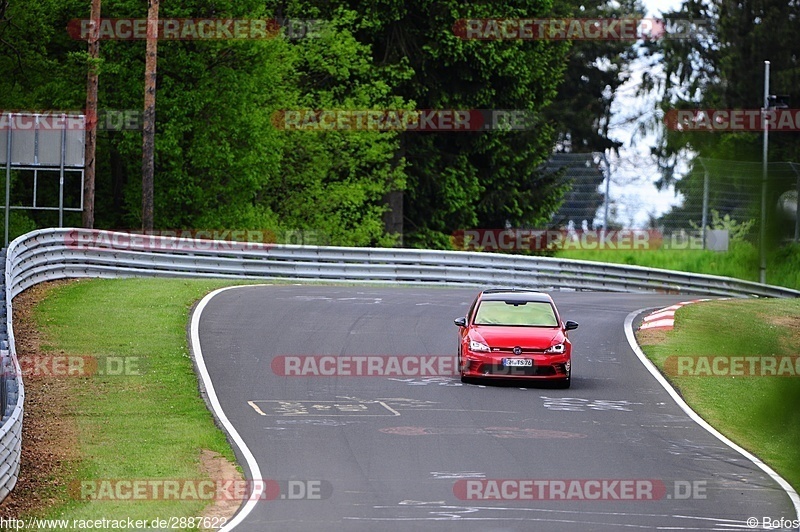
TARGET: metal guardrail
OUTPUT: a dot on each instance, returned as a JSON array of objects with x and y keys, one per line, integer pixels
[
  {"x": 50, "y": 254},
  {"x": 12, "y": 397}
]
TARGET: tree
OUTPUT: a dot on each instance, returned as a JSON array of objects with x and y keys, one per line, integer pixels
[
  {"x": 149, "y": 124},
  {"x": 596, "y": 69},
  {"x": 721, "y": 67},
  {"x": 219, "y": 160},
  {"x": 460, "y": 180},
  {"x": 91, "y": 121}
]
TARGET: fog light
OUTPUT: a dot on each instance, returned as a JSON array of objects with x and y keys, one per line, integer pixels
[{"x": 566, "y": 367}]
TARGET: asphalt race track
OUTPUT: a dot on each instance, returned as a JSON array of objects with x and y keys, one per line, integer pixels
[{"x": 404, "y": 453}]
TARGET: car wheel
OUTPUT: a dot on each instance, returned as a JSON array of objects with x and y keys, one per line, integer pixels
[
  {"x": 563, "y": 384},
  {"x": 464, "y": 378}
]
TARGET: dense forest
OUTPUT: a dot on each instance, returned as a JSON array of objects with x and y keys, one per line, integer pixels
[{"x": 222, "y": 161}]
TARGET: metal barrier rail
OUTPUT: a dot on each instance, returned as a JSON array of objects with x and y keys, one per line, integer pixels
[
  {"x": 13, "y": 398},
  {"x": 50, "y": 254}
]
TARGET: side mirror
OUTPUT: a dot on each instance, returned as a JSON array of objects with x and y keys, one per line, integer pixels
[
  {"x": 461, "y": 322},
  {"x": 570, "y": 325}
]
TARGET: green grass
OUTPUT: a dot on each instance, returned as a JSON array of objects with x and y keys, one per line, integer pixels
[
  {"x": 759, "y": 413},
  {"x": 149, "y": 426},
  {"x": 740, "y": 261}
]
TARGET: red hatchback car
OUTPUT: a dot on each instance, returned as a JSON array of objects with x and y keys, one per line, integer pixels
[{"x": 515, "y": 334}]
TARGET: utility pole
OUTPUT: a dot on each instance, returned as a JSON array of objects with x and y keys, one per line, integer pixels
[
  {"x": 91, "y": 117},
  {"x": 607, "y": 199},
  {"x": 762, "y": 247},
  {"x": 149, "y": 129}
]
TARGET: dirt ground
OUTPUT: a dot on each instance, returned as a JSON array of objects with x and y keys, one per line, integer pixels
[{"x": 49, "y": 433}]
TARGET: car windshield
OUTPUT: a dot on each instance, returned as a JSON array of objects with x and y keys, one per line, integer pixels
[{"x": 530, "y": 313}]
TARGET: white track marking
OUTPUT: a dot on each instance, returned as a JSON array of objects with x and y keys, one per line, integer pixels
[
  {"x": 213, "y": 402},
  {"x": 255, "y": 406},
  {"x": 699, "y": 420}
]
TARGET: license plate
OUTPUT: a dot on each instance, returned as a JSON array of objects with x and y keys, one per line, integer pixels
[{"x": 509, "y": 362}]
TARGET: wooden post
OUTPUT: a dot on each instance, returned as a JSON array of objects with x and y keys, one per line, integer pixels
[
  {"x": 148, "y": 144},
  {"x": 91, "y": 118}
]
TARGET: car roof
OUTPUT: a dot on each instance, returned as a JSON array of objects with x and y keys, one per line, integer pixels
[{"x": 515, "y": 295}]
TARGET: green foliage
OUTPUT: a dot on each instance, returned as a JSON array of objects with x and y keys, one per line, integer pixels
[
  {"x": 736, "y": 230},
  {"x": 19, "y": 223},
  {"x": 221, "y": 162},
  {"x": 581, "y": 109},
  {"x": 721, "y": 66},
  {"x": 344, "y": 175},
  {"x": 783, "y": 266},
  {"x": 459, "y": 180}
]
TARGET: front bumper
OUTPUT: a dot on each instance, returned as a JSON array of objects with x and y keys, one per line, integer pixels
[{"x": 545, "y": 367}]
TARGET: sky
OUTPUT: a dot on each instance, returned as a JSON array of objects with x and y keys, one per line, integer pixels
[
  {"x": 633, "y": 173},
  {"x": 656, "y": 7}
]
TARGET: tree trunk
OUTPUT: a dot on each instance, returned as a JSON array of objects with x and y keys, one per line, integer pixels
[
  {"x": 91, "y": 118},
  {"x": 148, "y": 144}
]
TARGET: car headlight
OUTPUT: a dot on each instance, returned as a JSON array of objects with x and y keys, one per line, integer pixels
[
  {"x": 478, "y": 346},
  {"x": 557, "y": 349}
]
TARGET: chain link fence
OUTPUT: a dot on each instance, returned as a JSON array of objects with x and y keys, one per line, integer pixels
[
  {"x": 587, "y": 175},
  {"x": 728, "y": 194},
  {"x": 716, "y": 194}
]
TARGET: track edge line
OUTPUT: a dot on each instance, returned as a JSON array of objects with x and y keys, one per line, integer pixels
[
  {"x": 214, "y": 405},
  {"x": 790, "y": 491}
]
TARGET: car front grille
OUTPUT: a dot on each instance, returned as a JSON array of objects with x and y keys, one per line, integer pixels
[
  {"x": 524, "y": 350},
  {"x": 519, "y": 371}
]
